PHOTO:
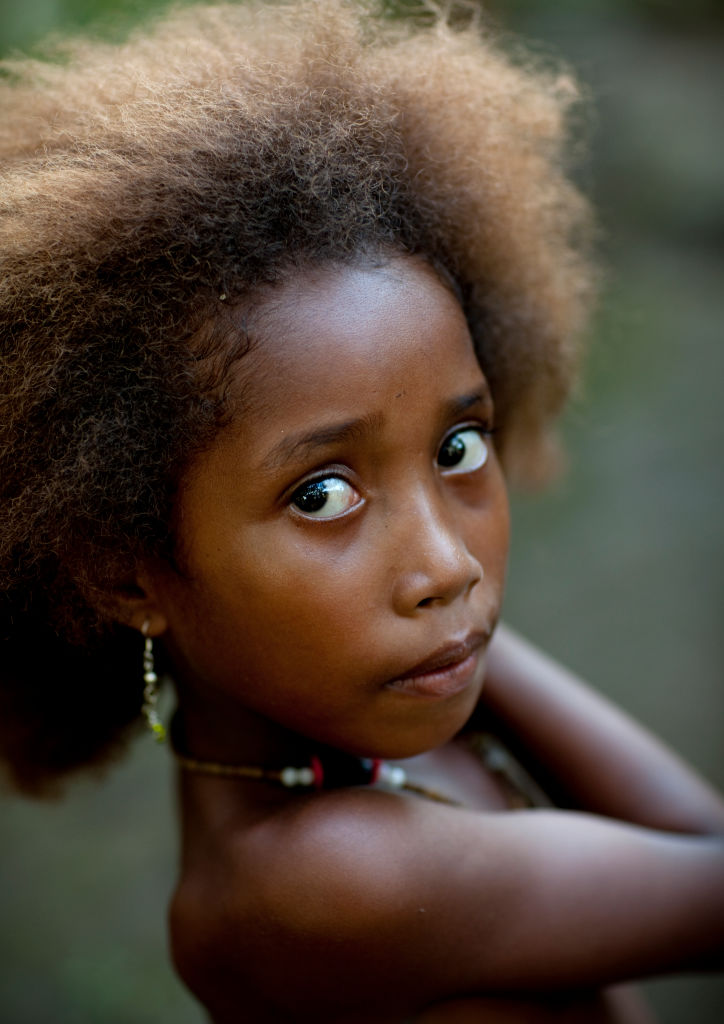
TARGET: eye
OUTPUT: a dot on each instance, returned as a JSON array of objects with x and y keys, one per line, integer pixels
[
  {"x": 325, "y": 498},
  {"x": 463, "y": 451}
]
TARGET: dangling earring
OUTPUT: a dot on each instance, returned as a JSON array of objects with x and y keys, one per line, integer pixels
[{"x": 150, "y": 689}]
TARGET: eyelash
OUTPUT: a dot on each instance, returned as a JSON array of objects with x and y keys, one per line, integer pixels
[
  {"x": 341, "y": 482},
  {"x": 482, "y": 432},
  {"x": 322, "y": 478}
]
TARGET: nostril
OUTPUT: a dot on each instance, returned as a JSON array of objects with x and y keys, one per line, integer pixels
[{"x": 425, "y": 602}]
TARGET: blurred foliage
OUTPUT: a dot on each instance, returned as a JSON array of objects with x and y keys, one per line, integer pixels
[
  {"x": 25, "y": 24},
  {"x": 618, "y": 569},
  {"x": 22, "y": 24},
  {"x": 694, "y": 14}
]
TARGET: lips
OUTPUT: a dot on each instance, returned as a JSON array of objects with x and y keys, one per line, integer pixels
[{"x": 445, "y": 672}]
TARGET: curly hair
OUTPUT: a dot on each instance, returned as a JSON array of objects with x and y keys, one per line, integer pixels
[{"x": 149, "y": 186}]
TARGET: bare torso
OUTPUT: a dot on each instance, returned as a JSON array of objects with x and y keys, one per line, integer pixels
[{"x": 229, "y": 828}]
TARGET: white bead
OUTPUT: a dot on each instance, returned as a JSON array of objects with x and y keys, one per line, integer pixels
[
  {"x": 150, "y": 677},
  {"x": 296, "y": 776},
  {"x": 289, "y": 777},
  {"x": 392, "y": 775}
]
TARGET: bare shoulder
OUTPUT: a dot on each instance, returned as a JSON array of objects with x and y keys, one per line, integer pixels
[
  {"x": 301, "y": 911},
  {"x": 315, "y": 895}
]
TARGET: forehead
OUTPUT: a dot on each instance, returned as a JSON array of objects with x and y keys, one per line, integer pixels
[{"x": 343, "y": 331}]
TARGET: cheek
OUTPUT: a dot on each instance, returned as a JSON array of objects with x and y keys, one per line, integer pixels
[
  {"x": 492, "y": 536},
  {"x": 501, "y": 528},
  {"x": 286, "y": 586}
]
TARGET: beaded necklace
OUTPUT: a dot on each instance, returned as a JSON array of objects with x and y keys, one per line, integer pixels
[
  {"x": 329, "y": 773},
  {"x": 336, "y": 770}
]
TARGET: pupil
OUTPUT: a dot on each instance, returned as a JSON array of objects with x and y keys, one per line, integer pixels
[
  {"x": 312, "y": 498},
  {"x": 452, "y": 451}
]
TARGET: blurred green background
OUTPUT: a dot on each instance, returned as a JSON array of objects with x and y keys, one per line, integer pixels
[{"x": 617, "y": 569}]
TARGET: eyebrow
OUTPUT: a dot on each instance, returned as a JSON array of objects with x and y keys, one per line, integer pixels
[
  {"x": 459, "y": 406},
  {"x": 299, "y": 446}
]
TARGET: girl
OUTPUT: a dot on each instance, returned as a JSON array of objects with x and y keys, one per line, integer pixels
[{"x": 288, "y": 294}]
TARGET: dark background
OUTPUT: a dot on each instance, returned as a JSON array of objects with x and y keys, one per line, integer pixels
[{"x": 617, "y": 569}]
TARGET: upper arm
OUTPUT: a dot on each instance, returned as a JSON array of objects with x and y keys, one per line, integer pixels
[
  {"x": 587, "y": 752},
  {"x": 433, "y": 902}
]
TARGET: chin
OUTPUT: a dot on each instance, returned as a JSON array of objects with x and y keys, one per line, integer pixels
[{"x": 421, "y": 732}]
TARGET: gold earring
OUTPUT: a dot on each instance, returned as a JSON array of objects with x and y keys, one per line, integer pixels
[{"x": 151, "y": 688}]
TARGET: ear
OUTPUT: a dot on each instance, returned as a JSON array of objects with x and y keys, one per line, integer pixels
[{"x": 137, "y": 604}]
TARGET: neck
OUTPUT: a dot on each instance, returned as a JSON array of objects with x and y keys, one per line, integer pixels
[
  {"x": 223, "y": 741},
  {"x": 218, "y": 729}
]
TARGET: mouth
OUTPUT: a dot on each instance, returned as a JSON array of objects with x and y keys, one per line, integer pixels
[{"x": 447, "y": 671}]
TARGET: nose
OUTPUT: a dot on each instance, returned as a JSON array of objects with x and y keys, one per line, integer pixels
[{"x": 433, "y": 564}]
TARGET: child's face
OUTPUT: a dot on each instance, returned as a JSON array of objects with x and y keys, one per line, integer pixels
[{"x": 352, "y": 524}]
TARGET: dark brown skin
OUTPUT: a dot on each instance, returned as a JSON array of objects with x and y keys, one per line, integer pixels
[
  {"x": 290, "y": 629},
  {"x": 372, "y": 886}
]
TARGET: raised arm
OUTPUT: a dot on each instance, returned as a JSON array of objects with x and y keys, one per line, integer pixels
[
  {"x": 593, "y": 755},
  {"x": 395, "y": 903},
  {"x": 365, "y": 901}
]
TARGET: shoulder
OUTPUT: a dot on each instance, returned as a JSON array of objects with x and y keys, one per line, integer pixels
[
  {"x": 361, "y": 866},
  {"x": 328, "y": 894},
  {"x": 303, "y": 910},
  {"x": 299, "y": 913},
  {"x": 337, "y": 861}
]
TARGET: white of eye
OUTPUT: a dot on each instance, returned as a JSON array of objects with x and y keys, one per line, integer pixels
[
  {"x": 464, "y": 451},
  {"x": 325, "y": 498}
]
